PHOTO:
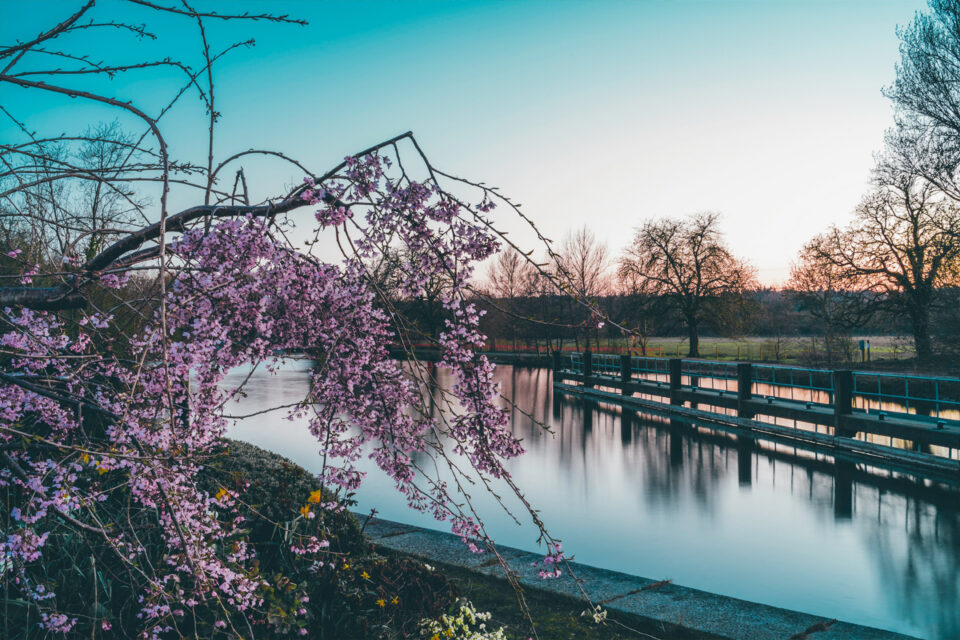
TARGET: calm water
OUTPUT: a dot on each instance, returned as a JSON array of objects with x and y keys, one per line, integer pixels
[{"x": 770, "y": 525}]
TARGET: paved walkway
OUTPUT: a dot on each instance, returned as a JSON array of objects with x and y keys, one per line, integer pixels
[{"x": 705, "y": 613}]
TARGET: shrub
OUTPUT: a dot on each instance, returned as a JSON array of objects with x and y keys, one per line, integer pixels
[
  {"x": 352, "y": 592},
  {"x": 272, "y": 490},
  {"x": 344, "y": 592},
  {"x": 463, "y": 622}
]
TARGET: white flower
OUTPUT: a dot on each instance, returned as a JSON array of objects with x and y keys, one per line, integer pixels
[{"x": 598, "y": 614}]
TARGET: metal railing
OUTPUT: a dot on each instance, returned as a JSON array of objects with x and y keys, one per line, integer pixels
[
  {"x": 572, "y": 362},
  {"x": 656, "y": 366},
  {"x": 847, "y": 401},
  {"x": 605, "y": 364},
  {"x": 710, "y": 374},
  {"x": 923, "y": 396},
  {"x": 785, "y": 383},
  {"x": 929, "y": 397}
]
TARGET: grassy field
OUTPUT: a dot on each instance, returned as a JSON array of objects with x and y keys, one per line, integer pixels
[
  {"x": 771, "y": 349},
  {"x": 759, "y": 349}
]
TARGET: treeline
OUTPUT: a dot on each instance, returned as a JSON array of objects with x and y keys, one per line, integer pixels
[
  {"x": 781, "y": 316},
  {"x": 893, "y": 270}
]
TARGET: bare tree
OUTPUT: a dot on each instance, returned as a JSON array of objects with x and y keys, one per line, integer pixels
[
  {"x": 511, "y": 278},
  {"x": 638, "y": 311},
  {"x": 584, "y": 264},
  {"x": 837, "y": 299},
  {"x": 901, "y": 245},
  {"x": 105, "y": 211},
  {"x": 582, "y": 267},
  {"x": 419, "y": 311},
  {"x": 686, "y": 261},
  {"x": 926, "y": 94}
]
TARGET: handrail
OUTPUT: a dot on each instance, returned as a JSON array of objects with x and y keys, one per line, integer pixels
[
  {"x": 920, "y": 396},
  {"x": 805, "y": 395}
]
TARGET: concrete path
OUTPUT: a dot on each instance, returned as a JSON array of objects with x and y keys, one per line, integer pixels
[{"x": 705, "y": 613}]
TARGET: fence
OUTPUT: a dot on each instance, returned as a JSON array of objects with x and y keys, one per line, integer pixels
[{"x": 924, "y": 411}]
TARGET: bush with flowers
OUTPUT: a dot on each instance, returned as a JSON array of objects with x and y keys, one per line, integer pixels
[
  {"x": 463, "y": 622},
  {"x": 347, "y": 590}
]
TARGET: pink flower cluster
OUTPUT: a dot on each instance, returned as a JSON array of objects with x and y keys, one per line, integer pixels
[
  {"x": 242, "y": 296},
  {"x": 550, "y": 565}
]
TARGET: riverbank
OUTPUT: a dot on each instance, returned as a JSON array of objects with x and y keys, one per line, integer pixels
[{"x": 662, "y": 610}]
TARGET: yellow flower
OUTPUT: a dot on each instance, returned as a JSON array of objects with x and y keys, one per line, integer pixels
[
  {"x": 396, "y": 600},
  {"x": 222, "y": 492},
  {"x": 435, "y": 636},
  {"x": 315, "y": 496},
  {"x": 86, "y": 458},
  {"x": 305, "y": 509},
  {"x": 449, "y": 633},
  {"x": 365, "y": 575},
  {"x": 346, "y": 565},
  {"x": 381, "y": 603}
]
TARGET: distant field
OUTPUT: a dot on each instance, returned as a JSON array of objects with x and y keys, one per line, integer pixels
[
  {"x": 753, "y": 348},
  {"x": 760, "y": 348}
]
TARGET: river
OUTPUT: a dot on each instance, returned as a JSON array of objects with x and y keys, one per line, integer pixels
[{"x": 768, "y": 524}]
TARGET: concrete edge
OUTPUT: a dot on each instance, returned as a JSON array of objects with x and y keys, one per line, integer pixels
[{"x": 670, "y": 605}]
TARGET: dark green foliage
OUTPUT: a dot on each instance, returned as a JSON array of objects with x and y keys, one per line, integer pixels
[
  {"x": 352, "y": 593},
  {"x": 273, "y": 489},
  {"x": 379, "y": 597},
  {"x": 355, "y": 594}
]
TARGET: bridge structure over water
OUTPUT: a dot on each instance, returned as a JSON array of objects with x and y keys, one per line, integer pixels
[{"x": 906, "y": 423}]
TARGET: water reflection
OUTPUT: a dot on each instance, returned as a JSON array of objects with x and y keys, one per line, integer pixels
[{"x": 663, "y": 499}]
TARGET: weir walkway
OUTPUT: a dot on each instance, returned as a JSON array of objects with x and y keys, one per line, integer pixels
[{"x": 905, "y": 423}]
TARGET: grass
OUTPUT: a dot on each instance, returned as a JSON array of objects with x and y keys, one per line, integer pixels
[
  {"x": 555, "y": 616},
  {"x": 792, "y": 350}
]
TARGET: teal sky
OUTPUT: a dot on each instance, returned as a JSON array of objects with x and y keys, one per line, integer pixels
[{"x": 603, "y": 113}]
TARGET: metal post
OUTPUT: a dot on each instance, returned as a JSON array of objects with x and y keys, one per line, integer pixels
[
  {"x": 626, "y": 375},
  {"x": 744, "y": 388},
  {"x": 842, "y": 402},
  {"x": 676, "y": 378},
  {"x": 587, "y": 369}
]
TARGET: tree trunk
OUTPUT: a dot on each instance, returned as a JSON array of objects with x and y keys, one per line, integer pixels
[
  {"x": 828, "y": 346},
  {"x": 694, "y": 340},
  {"x": 920, "y": 317}
]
